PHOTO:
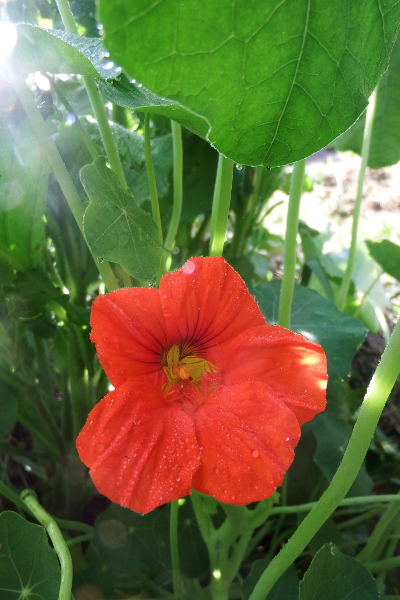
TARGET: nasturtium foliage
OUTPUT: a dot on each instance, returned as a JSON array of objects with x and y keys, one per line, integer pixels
[
  {"x": 115, "y": 228},
  {"x": 24, "y": 176},
  {"x": 56, "y": 51},
  {"x": 318, "y": 320},
  {"x": 29, "y": 568},
  {"x": 387, "y": 255},
  {"x": 273, "y": 81},
  {"x": 385, "y": 139},
  {"x": 335, "y": 575}
]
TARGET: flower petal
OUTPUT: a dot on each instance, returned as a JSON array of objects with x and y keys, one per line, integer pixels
[
  {"x": 207, "y": 302},
  {"x": 294, "y": 368},
  {"x": 142, "y": 452},
  {"x": 246, "y": 440},
  {"x": 128, "y": 328}
]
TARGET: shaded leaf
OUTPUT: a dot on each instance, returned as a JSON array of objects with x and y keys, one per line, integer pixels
[
  {"x": 387, "y": 254},
  {"x": 29, "y": 295},
  {"x": 115, "y": 228},
  {"x": 385, "y": 139},
  {"x": 318, "y": 320},
  {"x": 275, "y": 81},
  {"x": 286, "y": 588},
  {"x": 29, "y": 568},
  {"x": 8, "y": 408},
  {"x": 61, "y": 52},
  {"x": 333, "y": 575},
  {"x": 193, "y": 554}
]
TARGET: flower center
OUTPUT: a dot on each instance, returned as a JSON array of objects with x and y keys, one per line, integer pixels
[{"x": 181, "y": 367}]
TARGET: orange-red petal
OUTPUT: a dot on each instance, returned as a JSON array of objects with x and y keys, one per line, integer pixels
[
  {"x": 292, "y": 367},
  {"x": 141, "y": 451},
  {"x": 247, "y": 440},
  {"x": 207, "y": 301},
  {"x": 129, "y": 330}
]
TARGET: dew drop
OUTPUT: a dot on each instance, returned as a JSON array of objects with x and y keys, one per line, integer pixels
[
  {"x": 139, "y": 85},
  {"x": 254, "y": 453},
  {"x": 109, "y": 65},
  {"x": 216, "y": 470},
  {"x": 233, "y": 497},
  {"x": 288, "y": 439},
  {"x": 99, "y": 259},
  {"x": 99, "y": 447},
  {"x": 238, "y": 167}
]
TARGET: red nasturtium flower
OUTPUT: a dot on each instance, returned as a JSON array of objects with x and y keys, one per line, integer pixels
[{"x": 207, "y": 395}]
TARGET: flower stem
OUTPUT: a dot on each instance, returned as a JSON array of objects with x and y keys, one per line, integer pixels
[
  {"x": 173, "y": 540},
  {"x": 369, "y": 120},
  {"x": 56, "y": 163},
  {"x": 374, "y": 401},
  {"x": 289, "y": 265},
  {"x": 59, "y": 543},
  {"x": 178, "y": 188},
  {"x": 95, "y": 100},
  {"x": 221, "y": 202},
  {"x": 155, "y": 208}
]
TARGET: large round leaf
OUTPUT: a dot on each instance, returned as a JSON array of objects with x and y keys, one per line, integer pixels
[{"x": 274, "y": 81}]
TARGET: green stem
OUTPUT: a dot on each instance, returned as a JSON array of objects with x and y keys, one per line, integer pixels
[
  {"x": 178, "y": 188},
  {"x": 85, "y": 537},
  {"x": 155, "y": 207},
  {"x": 58, "y": 541},
  {"x": 374, "y": 401},
  {"x": 354, "y": 501},
  {"x": 221, "y": 202},
  {"x": 9, "y": 493},
  {"x": 369, "y": 120},
  {"x": 95, "y": 100},
  {"x": 78, "y": 123},
  {"x": 173, "y": 539},
  {"x": 380, "y": 534},
  {"x": 56, "y": 163},
  {"x": 387, "y": 564},
  {"x": 289, "y": 265}
]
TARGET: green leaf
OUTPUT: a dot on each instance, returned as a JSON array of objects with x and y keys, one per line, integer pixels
[
  {"x": 335, "y": 576},
  {"x": 385, "y": 140},
  {"x": 128, "y": 93},
  {"x": 29, "y": 295},
  {"x": 61, "y": 52},
  {"x": 8, "y": 409},
  {"x": 24, "y": 174},
  {"x": 115, "y": 228},
  {"x": 126, "y": 540},
  {"x": 275, "y": 81},
  {"x": 193, "y": 554},
  {"x": 318, "y": 320},
  {"x": 29, "y": 568},
  {"x": 332, "y": 435},
  {"x": 286, "y": 588},
  {"x": 387, "y": 254}
]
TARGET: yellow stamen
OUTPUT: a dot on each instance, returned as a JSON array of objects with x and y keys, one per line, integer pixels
[{"x": 185, "y": 368}]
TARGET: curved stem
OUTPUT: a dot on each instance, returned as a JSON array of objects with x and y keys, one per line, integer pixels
[
  {"x": 289, "y": 265},
  {"x": 59, "y": 543},
  {"x": 155, "y": 207},
  {"x": 374, "y": 401},
  {"x": 173, "y": 540},
  {"x": 96, "y": 101},
  {"x": 221, "y": 202},
  {"x": 369, "y": 120},
  {"x": 178, "y": 188}
]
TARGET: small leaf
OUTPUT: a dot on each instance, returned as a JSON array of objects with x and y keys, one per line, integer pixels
[
  {"x": 55, "y": 51},
  {"x": 318, "y": 320},
  {"x": 387, "y": 254},
  {"x": 29, "y": 568},
  {"x": 333, "y": 575},
  {"x": 286, "y": 588},
  {"x": 115, "y": 228}
]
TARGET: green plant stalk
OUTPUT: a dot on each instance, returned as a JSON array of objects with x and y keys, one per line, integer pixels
[
  {"x": 173, "y": 539},
  {"x": 354, "y": 501},
  {"x": 392, "y": 543},
  {"x": 58, "y": 541},
  {"x": 375, "y": 398},
  {"x": 95, "y": 100},
  {"x": 57, "y": 165},
  {"x": 386, "y": 564},
  {"x": 369, "y": 120},
  {"x": 292, "y": 224},
  {"x": 9, "y": 493},
  {"x": 178, "y": 185},
  {"x": 78, "y": 123},
  {"x": 155, "y": 207},
  {"x": 221, "y": 202},
  {"x": 380, "y": 534}
]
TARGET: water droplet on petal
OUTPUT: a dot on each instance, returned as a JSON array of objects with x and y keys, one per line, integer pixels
[
  {"x": 233, "y": 497},
  {"x": 99, "y": 447},
  {"x": 254, "y": 453},
  {"x": 216, "y": 470}
]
